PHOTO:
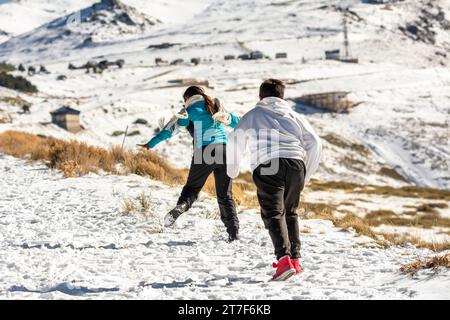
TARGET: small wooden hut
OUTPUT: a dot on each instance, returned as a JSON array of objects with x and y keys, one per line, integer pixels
[{"x": 67, "y": 118}]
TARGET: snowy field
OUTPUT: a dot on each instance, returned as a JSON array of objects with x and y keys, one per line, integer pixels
[{"x": 67, "y": 238}]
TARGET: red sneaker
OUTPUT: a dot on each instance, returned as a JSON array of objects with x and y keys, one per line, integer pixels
[
  {"x": 297, "y": 267},
  {"x": 285, "y": 269}
]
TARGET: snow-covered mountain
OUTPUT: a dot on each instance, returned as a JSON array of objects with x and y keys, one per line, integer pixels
[
  {"x": 397, "y": 135},
  {"x": 107, "y": 20},
  {"x": 20, "y": 16}
]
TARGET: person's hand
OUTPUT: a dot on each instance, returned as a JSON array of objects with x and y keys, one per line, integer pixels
[{"x": 144, "y": 146}]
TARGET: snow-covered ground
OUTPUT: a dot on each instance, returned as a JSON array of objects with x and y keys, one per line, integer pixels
[{"x": 67, "y": 238}]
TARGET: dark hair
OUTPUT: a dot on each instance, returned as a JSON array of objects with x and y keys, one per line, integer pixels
[
  {"x": 209, "y": 103},
  {"x": 272, "y": 88}
]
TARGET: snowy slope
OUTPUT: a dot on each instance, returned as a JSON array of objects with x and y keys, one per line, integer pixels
[
  {"x": 104, "y": 21},
  {"x": 66, "y": 239},
  {"x": 402, "y": 83},
  {"x": 20, "y": 16}
]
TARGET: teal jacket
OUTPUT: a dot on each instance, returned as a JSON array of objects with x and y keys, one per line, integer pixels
[{"x": 206, "y": 132}]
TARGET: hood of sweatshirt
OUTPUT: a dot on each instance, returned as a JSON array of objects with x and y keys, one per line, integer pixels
[{"x": 275, "y": 105}]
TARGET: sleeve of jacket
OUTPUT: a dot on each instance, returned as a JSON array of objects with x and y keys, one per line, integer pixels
[
  {"x": 160, "y": 137},
  {"x": 234, "y": 120},
  {"x": 236, "y": 148},
  {"x": 313, "y": 148}
]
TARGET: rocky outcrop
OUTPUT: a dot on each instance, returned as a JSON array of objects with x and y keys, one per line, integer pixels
[
  {"x": 122, "y": 13},
  {"x": 424, "y": 28}
]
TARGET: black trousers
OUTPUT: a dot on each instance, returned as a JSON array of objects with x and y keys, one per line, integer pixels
[
  {"x": 212, "y": 159},
  {"x": 279, "y": 197}
]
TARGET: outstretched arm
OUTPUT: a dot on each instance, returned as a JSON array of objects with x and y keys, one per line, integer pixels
[
  {"x": 160, "y": 137},
  {"x": 234, "y": 120},
  {"x": 166, "y": 132}
]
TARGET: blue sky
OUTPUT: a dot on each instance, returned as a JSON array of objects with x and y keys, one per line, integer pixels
[{"x": 3, "y": 1}]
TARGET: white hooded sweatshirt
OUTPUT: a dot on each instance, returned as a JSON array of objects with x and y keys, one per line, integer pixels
[{"x": 273, "y": 130}]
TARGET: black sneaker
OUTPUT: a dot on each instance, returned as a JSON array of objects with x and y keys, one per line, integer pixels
[
  {"x": 233, "y": 237},
  {"x": 173, "y": 215}
]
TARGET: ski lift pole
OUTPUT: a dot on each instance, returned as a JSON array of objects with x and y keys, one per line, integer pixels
[{"x": 124, "y": 137}]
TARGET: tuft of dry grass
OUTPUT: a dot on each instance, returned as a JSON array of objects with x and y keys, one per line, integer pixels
[
  {"x": 316, "y": 210},
  {"x": 431, "y": 207},
  {"x": 144, "y": 201},
  {"x": 405, "y": 192},
  {"x": 362, "y": 226},
  {"x": 128, "y": 206},
  {"x": 325, "y": 212},
  {"x": 389, "y": 239},
  {"x": 142, "y": 206},
  {"x": 441, "y": 261},
  {"x": 14, "y": 101},
  {"x": 425, "y": 220},
  {"x": 356, "y": 223}
]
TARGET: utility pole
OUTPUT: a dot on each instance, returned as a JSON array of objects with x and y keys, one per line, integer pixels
[
  {"x": 346, "y": 41},
  {"x": 124, "y": 137}
]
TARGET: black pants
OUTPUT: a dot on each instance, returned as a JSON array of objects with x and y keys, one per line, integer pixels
[
  {"x": 212, "y": 159},
  {"x": 279, "y": 196}
]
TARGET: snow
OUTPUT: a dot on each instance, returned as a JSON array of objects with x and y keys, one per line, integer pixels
[
  {"x": 67, "y": 239},
  {"x": 402, "y": 84},
  {"x": 35, "y": 13},
  {"x": 58, "y": 224}
]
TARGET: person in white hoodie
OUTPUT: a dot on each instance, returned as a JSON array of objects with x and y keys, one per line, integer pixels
[{"x": 284, "y": 152}]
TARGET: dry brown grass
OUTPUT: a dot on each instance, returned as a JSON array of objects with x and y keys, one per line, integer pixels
[
  {"x": 362, "y": 226},
  {"x": 431, "y": 207},
  {"x": 144, "y": 201},
  {"x": 390, "y": 239},
  {"x": 128, "y": 206},
  {"x": 314, "y": 210},
  {"x": 326, "y": 212},
  {"x": 150, "y": 164},
  {"x": 14, "y": 101},
  {"x": 142, "y": 207},
  {"x": 423, "y": 219},
  {"x": 75, "y": 158},
  {"x": 441, "y": 261},
  {"x": 405, "y": 192}
]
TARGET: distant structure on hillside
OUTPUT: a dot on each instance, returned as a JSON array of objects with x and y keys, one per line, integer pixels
[
  {"x": 336, "y": 54},
  {"x": 189, "y": 82},
  {"x": 281, "y": 55},
  {"x": 254, "y": 55},
  {"x": 333, "y": 54},
  {"x": 329, "y": 101},
  {"x": 378, "y": 1},
  {"x": 67, "y": 118}
]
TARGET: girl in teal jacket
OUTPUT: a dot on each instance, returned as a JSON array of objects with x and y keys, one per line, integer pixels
[{"x": 204, "y": 119}]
